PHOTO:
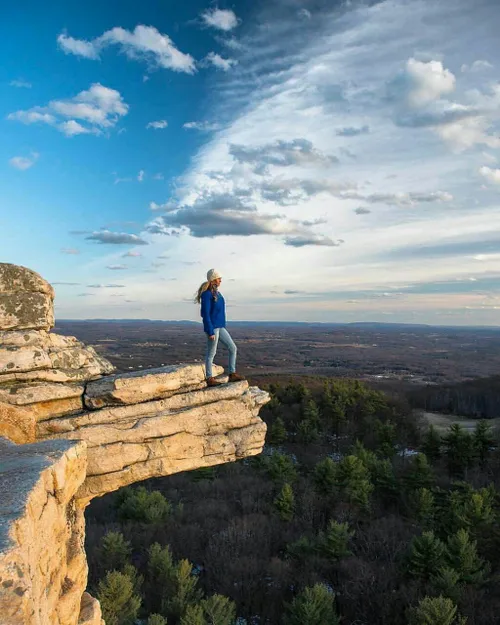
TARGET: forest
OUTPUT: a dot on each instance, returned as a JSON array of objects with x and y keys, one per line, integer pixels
[{"x": 356, "y": 513}]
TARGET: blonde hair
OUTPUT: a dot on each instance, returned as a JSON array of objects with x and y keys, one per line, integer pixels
[{"x": 204, "y": 286}]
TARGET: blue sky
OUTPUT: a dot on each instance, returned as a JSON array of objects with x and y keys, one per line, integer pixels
[{"x": 334, "y": 161}]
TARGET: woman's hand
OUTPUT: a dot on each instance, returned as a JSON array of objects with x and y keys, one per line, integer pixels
[{"x": 212, "y": 337}]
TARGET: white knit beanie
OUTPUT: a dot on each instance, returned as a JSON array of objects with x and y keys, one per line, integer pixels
[{"x": 213, "y": 274}]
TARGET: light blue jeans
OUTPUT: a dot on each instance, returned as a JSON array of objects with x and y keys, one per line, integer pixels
[{"x": 225, "y": 337}]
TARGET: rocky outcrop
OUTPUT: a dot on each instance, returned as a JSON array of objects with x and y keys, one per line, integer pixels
[{"x": 99, "y": 431}]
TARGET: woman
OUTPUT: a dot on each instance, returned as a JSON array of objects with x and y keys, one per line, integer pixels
[{"x": 213, "y": 312}]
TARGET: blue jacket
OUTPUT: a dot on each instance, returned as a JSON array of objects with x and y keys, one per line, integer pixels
[{"x": 213, "y": 312}]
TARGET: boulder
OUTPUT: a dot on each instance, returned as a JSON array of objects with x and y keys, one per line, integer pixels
[
  {"x": 26, "y": 299},
  {"x": 141, "y": 386}
]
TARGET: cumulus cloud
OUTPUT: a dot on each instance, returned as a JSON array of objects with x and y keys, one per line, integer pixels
[
  {"x": 424, "y": 82},
  {"x": 144, "y": 43},
  {"x": 204, "y": 126},
  {"x": 117, "y": 267},
  {"x": 221, "y": 19},
  {"x": 493, "y": 175},
  {"x": 24, "y": 162},
  {"x": 20, "y": 84},
  {"x": 116, "y": 238},
  {"x": 92, "y": 111},
  {"x": 280, "y": 154},
  {"x": 220, "y": 62},
  {"x": 158, "y": 125},
  {"x": 70, "y": 250},
  {"x": 351, "y": 131}
]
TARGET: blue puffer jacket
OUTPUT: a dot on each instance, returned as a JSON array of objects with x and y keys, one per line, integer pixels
[{"x": 213, "y": 312}]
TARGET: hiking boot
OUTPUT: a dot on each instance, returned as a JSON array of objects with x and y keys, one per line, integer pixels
[
  {"x": 235, "y": 377},
  {"x": 213, "y": 382}
]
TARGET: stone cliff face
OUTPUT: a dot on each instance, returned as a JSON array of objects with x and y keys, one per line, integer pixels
[{"x": 72, "y": 431}]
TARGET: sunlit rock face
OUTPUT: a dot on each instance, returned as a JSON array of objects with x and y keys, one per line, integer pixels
[{"x": 71, "y": 430}]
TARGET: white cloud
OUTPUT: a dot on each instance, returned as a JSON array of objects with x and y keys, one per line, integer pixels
[
  {"x": 132, "y": 254},
  {"x": 144, "y": 43},
  {"x": 158, "y": 125},
  {"x": 20, "y": 84},
  {"x": 493, "y": 175},
  {"x": 221, "y": 19},
  {"x": 477, "y": 66},
  {"x": 158, "y": 176},
  {"x": 79, "y": 47},
  {"x": 219, "y": 62},
  {"x": 204, "y": 126},
  {"x": 24, "y": 162},
  {"x": 70, "y": 250},
  {"x": 140, "y": 175},
  {"x": 116, "y": 238},
  {"x": 92, "y": 111},
  {"x": 427, "y": 81},
  {"x": 117, "y": 267}
]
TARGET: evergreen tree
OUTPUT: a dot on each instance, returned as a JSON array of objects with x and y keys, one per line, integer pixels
[
  {"x": 419, "y": 474},
  {"x": 193, "y": 616},
  {"x": 353, "y": 482},
  {"x": 138, "y": 504},
  {"x": 431, "y": 445},
  {"x": 301, "y": 549},
  {"x": 386, "y": 438},
  {"x": 156, "y": 619},
  {"x": 463, "y": 557},
  {"x": 185, "y": 593},
  {"x": 446, "y": 582},
  {"x": 277, "y": 432},
  {"x": 218, "y": 610},
  {"x": 483, "y": 442},
  {"x": 280, "y": 468},
  {"x": 384, "y": 480},
  {"x": 425, "y": 556},
  {"x": 307, "y": 432},
  {"x": 161, "y": 577},
  {"x": 313, "y": 606},
  {"x": 119, "y": 604},
  {"x": 114, "y": 552},
  {"x": 334, "y": 542},
  {"x": 284, "y": 503},
  {"x": 422, "y": 505},
  {"x": 434, "y": 611},
  {"x": 324, "y": 476},
  {"x": 459, "y": 450},
  {"x": 310, "y": 412},
  {"x": 471, "y": 510}
]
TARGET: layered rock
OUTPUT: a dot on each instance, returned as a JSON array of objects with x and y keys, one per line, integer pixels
[
  {"x": 107, "y": 431},
  {"x": 43, "y": 568}
]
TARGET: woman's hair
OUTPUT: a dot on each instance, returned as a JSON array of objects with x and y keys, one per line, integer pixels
[{"x": 204, "y": 286}]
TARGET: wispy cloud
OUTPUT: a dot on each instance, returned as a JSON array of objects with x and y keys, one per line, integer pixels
[
  {"x": 158, "y": 125},
  {"x": 350, "y": 131},
  {"x": 89, "y": 112},
  {"x": 105, "y": 286},
  {"x": 24, "y": 162},
  {"x": 204, "y": 126},
  {"x": 220, "y": 19},
  {"x": 140, "y": 176},
  {"x": 132, "y": 254},
  {"x": 220, "y": 62},
  {"x": 20, "y": 84},
  {"x": 117, "y": 267},
  {"x": 115, "y": 238},
  {"x": 72, "y": 251},
  {"x": 144, "y": 43}
]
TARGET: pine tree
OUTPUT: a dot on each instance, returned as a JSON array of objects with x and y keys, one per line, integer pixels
[
  {"x": 301, "y": 548},
  {"x": 434, "y": 611},
  {"x": 219, "y": 610},
  {"x": 186, "y": 592},
  {"x": 463, "y": 557},
  {"x": 324, "y": 476},
  {"x": 277, "y": 432},
  {"x": 119, "y": 604},
  {"x": 193, "y": 616},
  {"x": 114, "y": 551},
  {"x": 156, "y": 619},
  {"x": 353, "y": 482},
  {"x": 161, "y": 577},
  {"x": 446, "y": 582},
  {"x": 483, "y": 442},
  {"x": 307, "y": 432},
  {"x": 139, "y": 504},
  {"x": 310, "y": 412},
  {"x": 313, "y": 606},
  {"x": 280, "y": 468},
  {"x": 425, "y": 556},
  {"x": 419, "y": 474},
  {"x": 386, "y": 438},
  {"x": 284, "y": 503},
  {"x": 422, "y": 504},
  {"x": 334, "y": 542},
  {"x": 459, "y": 450},
  {"x": 431, "y": 445}
]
